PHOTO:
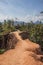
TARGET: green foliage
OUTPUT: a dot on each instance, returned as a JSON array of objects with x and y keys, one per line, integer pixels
[
  {"x": 2, "y": 51},
  {"x": 1, "y": 28},
  {"x": 36, "y": 33},
  {"x": 6, "y": 27},
  {"x": 35, "y": 30},
  {"x": 23, "y": 28}
]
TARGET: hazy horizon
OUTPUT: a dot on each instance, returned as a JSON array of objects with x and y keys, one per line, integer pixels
[{"x": 24, "y": 10}]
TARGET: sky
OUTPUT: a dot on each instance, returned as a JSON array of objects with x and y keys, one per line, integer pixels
[{"x": 24, "y": 10}]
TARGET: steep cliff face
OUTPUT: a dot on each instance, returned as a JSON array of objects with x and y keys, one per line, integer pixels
[{"x": 25, "y": 52}]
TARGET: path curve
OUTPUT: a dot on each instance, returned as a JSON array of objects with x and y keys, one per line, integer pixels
[{"x": 23, "y": 54}]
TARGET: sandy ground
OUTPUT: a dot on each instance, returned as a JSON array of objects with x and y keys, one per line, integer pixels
[{"x": 25, "y": 53}]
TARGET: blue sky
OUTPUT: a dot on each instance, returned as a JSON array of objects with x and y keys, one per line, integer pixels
[{"x": 20, "y": 8}]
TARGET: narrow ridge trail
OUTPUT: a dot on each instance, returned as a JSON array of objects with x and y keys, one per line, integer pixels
[{"x": 25, "y": 53}]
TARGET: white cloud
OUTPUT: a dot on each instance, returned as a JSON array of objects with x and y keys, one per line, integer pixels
[
  {"x": 33, "y": 18},
  {"x": 28, "y": 18},
  {"x": 5, "y": 17}
]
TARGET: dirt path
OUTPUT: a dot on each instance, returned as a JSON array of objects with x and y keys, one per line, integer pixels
[{"x": 23, "y": 54}]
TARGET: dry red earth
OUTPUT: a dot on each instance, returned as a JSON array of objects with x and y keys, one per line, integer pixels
[{"x": 25, "y": 53}]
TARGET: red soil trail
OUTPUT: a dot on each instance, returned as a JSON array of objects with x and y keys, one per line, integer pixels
[{"x": 25, "y": 53}]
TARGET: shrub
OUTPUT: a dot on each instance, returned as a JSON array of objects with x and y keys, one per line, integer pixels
[
  {"x": 36, "y": 34},
  {"x": 2, "y": 51}
]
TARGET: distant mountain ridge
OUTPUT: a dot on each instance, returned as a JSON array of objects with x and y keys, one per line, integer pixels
[
  {"x": 19, "y": 22},
  {"x": 22, "y": 22},
  {"x": 38, "y": 22}
]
